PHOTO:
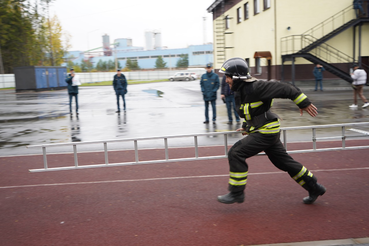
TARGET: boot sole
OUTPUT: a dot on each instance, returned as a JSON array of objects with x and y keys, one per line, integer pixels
[
  {"x": 226, "y": 202},
  {"x": 320, "y": 194}
]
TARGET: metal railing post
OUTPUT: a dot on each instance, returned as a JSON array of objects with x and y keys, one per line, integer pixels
[
  {"x": 106, "y": 153},
  {"x": 284, "y": 132},
  {"x": 225, "y": 144},
  {"x": 45, "y": 159},
  {"x": 136, "y": 151},
  {"x": 314, "y": 138},
  {"x": 196, "y": 147},
  {"x": 343, "y": 137},
  {"x": 166, "y": 148},
  {"x": 75, "y": 155}
]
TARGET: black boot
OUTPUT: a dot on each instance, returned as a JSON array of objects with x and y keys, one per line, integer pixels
[
  {"x": 232, "y": 198},
  {"x": 314, "y": 192}
]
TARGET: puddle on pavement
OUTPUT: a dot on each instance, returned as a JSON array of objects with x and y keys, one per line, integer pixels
[{"x": 154, "y": 92}]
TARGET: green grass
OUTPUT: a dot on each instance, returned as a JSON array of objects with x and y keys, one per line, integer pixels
[
  {"x": 130, "y": 82},
  {"x": 8, "y": 88}
]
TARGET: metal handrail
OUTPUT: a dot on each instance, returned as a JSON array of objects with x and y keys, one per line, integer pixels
[
  {"x": 284, "y": 130},
  {"x": 300, "y": 42},
  {"x": 332, "y": 21}
]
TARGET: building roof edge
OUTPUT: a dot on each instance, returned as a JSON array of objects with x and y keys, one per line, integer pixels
[{"x": 214, "y": 5}]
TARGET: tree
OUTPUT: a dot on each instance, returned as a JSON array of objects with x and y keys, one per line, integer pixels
[
  {"x": 53, "y": 46},
  {"x": 183, "y": 61},
  {"x": 110, "y": 65},
  {"x": 132, "y": 64},
  {"x": 160, "y": 63},
  {"x": 25, "y": 36},
  {"x": 86, "y": 66}
]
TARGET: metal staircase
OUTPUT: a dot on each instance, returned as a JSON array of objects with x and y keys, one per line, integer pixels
[
  {"x": 220, "y": 39},
  {"x": 332, "y": 69},
  {"x": 312, "y": 47}
]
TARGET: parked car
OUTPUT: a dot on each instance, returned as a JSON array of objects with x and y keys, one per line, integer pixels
[
  {"x": 194, "y": 76},
  {"x": 182, "y": 76}
]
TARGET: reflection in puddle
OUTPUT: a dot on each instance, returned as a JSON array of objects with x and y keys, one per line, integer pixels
[
  {"x": 155, "y": 92},
  {"x": 75, "y": 129}
]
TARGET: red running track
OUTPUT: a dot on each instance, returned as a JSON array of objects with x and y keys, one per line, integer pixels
[{"x": 175, "y": 203}]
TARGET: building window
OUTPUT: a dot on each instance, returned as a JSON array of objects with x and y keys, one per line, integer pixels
[
  {"x": 246, "y": 10},
  {"x": 257, "y": 65},
  {"x": 256, "y": 7},
  {"x": 239, "y": 15},
  {"x": 266, "y": 4}
]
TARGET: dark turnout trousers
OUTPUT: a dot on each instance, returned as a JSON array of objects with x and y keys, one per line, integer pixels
[{"x": 255, "y": 143}]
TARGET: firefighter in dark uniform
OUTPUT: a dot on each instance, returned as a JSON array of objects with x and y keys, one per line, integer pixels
[
  {"x": 120, "y": 88},
  {"x": 253, "y": 102}
]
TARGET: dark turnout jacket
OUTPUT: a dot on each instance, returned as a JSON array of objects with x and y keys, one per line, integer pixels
[{"x": 254, "y": 100}]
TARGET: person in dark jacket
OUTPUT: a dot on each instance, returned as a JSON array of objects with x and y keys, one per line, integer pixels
[
  {"x": 120, "y": 88},
  {"x": 209, "y": 83},
  {"x": 253, "y": 100},
  {"x": 358, "y": 6},
  {"x": 72, "y": 90},
  {"x": 318, "y": 74},
  {"x": 228, "y": 96}
]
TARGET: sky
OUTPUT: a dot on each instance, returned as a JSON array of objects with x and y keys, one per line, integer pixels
[{"x": 180, "y": 22}]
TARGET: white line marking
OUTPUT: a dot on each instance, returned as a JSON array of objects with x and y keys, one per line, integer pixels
[
  {"x": 359, "y": 131},
  {"x": 169, "y": 178}
]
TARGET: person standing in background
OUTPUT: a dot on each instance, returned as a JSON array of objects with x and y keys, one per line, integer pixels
[
  {"x": 120, "y": 88},
  {"x": 318, "y": 74},
  {"x": 73, "y": 83},
  {"x": 209, "y": 83},
  {"x": 359, "y": 76},
  {"x": 228, "y": 96}
]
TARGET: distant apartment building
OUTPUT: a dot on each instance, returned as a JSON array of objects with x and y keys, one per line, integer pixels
[{"x": 283, "y": 39}]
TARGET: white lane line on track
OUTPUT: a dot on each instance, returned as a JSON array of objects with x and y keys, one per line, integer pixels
[{"x": 169, "y": 178}]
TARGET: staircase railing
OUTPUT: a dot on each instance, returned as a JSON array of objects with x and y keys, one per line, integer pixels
[
  {"x": 295, "y": 43},
  {"x": 332, "y": 23}
]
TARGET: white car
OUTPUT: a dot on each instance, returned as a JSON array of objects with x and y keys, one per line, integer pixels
[
  {"x": 194, "y": 76},
  {"x": 182, "y": 76}
]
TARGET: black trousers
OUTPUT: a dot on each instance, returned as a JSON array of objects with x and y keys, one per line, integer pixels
[{"x": 255, "y": 143}]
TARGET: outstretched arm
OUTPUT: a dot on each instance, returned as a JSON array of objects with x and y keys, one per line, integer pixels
[{"x": 311, "y": 110}]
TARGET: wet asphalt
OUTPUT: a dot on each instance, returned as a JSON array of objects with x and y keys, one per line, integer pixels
[{"x": 153, "y": 109}]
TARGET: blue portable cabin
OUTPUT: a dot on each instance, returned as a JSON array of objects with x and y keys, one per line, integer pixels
[{"x": 40, "y": 78}]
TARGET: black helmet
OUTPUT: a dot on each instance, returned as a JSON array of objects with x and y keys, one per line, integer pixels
[{"x": 236, "y": 68}]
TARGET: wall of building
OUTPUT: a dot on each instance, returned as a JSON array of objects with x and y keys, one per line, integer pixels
[{"x": 264, "y": 31}]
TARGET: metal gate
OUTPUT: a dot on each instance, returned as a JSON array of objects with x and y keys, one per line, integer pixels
[{"x": 195, "y": 137}]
